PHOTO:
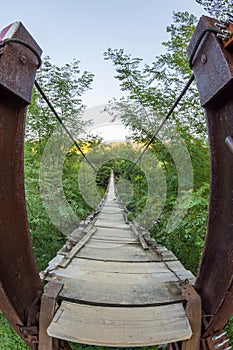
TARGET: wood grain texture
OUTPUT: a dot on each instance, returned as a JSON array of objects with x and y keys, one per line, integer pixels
[
  {"x": 122, "y": 252},
  {"x": 115, "y": 216},
  {"x": 77, "y": 247},
  {"x": 111, "y": 223},
  {"x": 135, "y": 268},
  {"x": 120, "y": 326},
  {"x": 109, "y": 233},
  {"x": 111, "y": 290}
]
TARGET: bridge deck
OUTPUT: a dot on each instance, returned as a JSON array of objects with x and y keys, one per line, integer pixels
[{"x": 117, "y": 292}]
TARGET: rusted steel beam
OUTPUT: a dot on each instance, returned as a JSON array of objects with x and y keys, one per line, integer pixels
[
  {"x": 194, "y": 314},
  {"x": 213, "y": 70},
  {"x": 19, "y": 277},
  {"x": 173, "y": 346},
  {"x": 48, "y": 307}
]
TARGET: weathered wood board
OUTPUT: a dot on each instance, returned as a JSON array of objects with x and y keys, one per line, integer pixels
[
  {"x": 120, "y": 326},
  {"x": 111, "y": 223},
  {"x": 113, "y": 216},
  {"x": 122, "y": 252},
  {"x": 119, "y": 289},
  {"x": 121, "y": 282},
  {"x": 117, "y": 233},
  {"x": 111, "y": 210},
  {"x": 133, "y": 268}
]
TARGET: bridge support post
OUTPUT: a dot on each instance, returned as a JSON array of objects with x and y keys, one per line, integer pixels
[
  {"x": 194, "y": 314},
  {"x": 20, "y": 285},
  {"x": 212, "y": 63},
  {"x": 48, "y": 308}
]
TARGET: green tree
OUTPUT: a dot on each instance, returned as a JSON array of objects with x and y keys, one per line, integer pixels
[
  {"x": 217, "y": 8},
  {"x": 64, "y": 86},
  {"x": 153, "y": 88}
]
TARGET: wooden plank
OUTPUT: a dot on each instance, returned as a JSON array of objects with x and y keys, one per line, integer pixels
[
  {"x": 127, "y": 279},
  {"x": 80, "y": 244},
  {"x": 122, "y": 288},
  {"x": 138, "y": 234},
  {"x": 109, "y": 244},
  {"x": 123, "y": 253},
  {"x": 77, "y": 248},
  {"x": 111, "y": 224},
  {"x": 123, "y": 267},
  {"x": 120, "y": 235},
  {"x": 54, "y": 262},
  {"x": 120, "y": 326},
  {"x": 114, "y": 232},
  {"x": 111, "y": 216},
  {"x": 109, "y": 205},
  {"x": 114, "y": 240},
  {"x": 115, "y": 210},
  {"x": 112, "y": 209}
]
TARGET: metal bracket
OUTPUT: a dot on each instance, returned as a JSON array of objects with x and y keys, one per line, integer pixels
[
  {"x": 194, "y": 314},
  {"x": 48, "y": 307},
  {"x": 30, "y": 331},
  {"x": 172, "y": 346},
  {"x": 2, "y": 47},
  {"x": 217, "y": 341},
  {"x": 18, "y": 63},
  {"x": 30, "y": 334},
  {"x": 211, "y": 67}
]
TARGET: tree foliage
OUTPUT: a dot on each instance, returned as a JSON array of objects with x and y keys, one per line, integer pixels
[
  {"x": 217, "y": 8},
  {"x": 64, "y": 86},
  {"x": 152, "y": 89}
]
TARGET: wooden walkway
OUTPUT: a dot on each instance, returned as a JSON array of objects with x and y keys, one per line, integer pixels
[{"x": 119, "y": 289}]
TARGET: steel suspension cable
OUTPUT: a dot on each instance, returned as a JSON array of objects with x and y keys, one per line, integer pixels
[
  {"x": 183, "y": 92},
  {"x": 62, "y": 124}
]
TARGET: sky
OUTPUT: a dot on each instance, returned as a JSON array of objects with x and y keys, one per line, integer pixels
[{"x": 85, "y": 29}]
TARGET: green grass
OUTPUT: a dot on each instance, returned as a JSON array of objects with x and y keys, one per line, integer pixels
[{"x": 9, "y": 339}]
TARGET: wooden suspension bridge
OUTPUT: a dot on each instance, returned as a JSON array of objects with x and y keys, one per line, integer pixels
[
  {"x": 118, "y": 288},
  {"x": 111, "y": 284}
]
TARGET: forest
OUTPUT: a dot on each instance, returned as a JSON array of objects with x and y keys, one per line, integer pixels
[{"x": 150, "y": 90}]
